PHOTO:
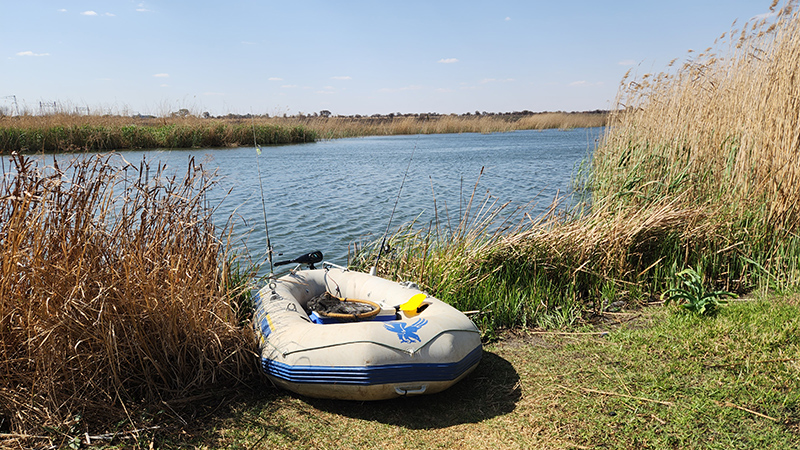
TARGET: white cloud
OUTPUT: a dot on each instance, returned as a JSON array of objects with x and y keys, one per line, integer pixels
[
  {"x": 88, "y": 13},
  {"x": 627, "y": 62},
  {"x": 141, "y": 7},
  {"x": 161, "y": 75},
  {"x": 62, "y": 10},
  {"x": 274, "y": 79},
  {"x": 109, "y": 14},
  {"x": 496, "y": 80},
  {"x": 508, "y": 18},
  {"x": 288, "y": 86},
  {"x": 213, "y": 93},
  {"x": 765, "y": 16},
  {"x": 341, "y": 78},
  {"x": 447, "y": 60},
  {"x": 582, "y": 83},
  {"x": 401, "y": 89},
  {"x": 30, "y": 53}
]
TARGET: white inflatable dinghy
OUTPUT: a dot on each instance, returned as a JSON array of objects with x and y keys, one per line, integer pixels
[{"x": 422, "y": 349}]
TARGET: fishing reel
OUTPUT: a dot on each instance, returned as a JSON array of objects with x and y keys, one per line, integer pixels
[{"x": 308, "y": 259}]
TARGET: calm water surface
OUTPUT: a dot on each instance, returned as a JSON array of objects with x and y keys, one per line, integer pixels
[{"x": 329, "y": 194}]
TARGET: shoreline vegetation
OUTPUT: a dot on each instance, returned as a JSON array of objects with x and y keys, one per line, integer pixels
[
  {"x": 121, "y": 310},
  {"x": 62, "y": 132}
]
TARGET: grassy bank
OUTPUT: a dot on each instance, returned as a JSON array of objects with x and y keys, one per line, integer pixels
[
  {"x": 657, "y": 379},
  {"x": 65, "y": 132}
]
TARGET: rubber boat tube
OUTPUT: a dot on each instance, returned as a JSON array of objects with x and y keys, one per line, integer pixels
[{"x": 397, "y": 353}]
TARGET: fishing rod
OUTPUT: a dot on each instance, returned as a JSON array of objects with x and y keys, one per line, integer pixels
[
  {"x": 263, "y": 204},
  {"x": 374, "y": 270}
]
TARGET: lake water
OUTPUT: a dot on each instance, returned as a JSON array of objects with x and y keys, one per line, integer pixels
[{"x": 329, "y": 194}]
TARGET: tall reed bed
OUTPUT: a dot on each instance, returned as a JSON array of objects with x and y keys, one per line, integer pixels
[
  {"x": 339, "y": 127},
  {"x": 112, "y": 293},
  {"x": 700, "y": 167},
  {"x": 103, "y": 137},
  {"x": 719, "y": 135}
]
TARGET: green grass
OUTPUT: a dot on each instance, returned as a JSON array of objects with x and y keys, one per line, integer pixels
[
  {"x": 661, "y": 378},
  {"x": 114, "y": 136}
]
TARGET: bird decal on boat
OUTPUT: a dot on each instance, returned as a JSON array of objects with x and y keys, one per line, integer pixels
[{"x": 407, "y": 334}]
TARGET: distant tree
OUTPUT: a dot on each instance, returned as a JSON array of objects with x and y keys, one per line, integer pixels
[
  {"x": 325, "y": 113},
  {"x": 183, "y": 112}
]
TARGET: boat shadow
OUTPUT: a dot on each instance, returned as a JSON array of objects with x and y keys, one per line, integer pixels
[{"x": 491, "y": 390}]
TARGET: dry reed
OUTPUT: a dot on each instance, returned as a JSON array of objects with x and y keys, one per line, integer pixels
[
  {"x": 112, "y": 293},
  {"x": 724, "y": 128}
]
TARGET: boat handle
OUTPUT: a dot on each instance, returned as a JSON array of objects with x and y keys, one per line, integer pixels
[
  {"x": 326, "y": 264},
  {"x": 408, "y": 390}
]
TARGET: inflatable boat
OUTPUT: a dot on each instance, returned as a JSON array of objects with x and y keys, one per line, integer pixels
[{"x": 414, "y": 344}]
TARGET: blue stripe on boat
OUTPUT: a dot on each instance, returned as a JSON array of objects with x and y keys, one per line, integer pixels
[{"x": 371, "y": 375}]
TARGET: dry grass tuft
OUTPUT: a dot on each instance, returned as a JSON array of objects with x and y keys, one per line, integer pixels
[{"x": 111, "y": 293}]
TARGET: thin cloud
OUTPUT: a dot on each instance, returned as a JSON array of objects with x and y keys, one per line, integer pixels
[
  {"x": 161, "y": 75},
  {"x": 401, "y": 89},
  {"x": 496, "y": 80},
  {"x": 30, "y": 53},
  {"x": 765, "y": 16},
  {"x": 288, "y": 86},
  {"x": 141, "y": 8},
  {"x": 627, "y": 62},
  {"x": 274, "y": 79},
  {"x": 110, "y": 14},
  {"x": 62, "y": 10},
  {"x": 164, "y": 85},
  {"x": 342, "y": 78},
  {"x": 447, "y": 61},
  {"x": 582, "y": 83},
  {"x": 88, "y": 13},
  {"x": 507, "y": 19}
]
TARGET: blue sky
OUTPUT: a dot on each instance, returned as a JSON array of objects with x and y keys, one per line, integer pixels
[{"x": 348, "y": 57}]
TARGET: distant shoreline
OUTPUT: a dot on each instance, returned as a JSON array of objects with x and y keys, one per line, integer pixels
[{"x": 56, "y": 133}]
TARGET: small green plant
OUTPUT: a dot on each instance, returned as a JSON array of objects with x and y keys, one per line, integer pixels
[{"x": 692, "y": 294}]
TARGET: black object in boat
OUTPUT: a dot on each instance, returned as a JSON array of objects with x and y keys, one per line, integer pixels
[{"x": 309, "y": 259}]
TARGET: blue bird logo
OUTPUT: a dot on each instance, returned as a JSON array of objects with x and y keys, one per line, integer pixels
[{"x": 407, "y": 333}]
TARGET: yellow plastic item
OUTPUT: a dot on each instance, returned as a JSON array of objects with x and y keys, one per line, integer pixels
[{"x": 413, "y": 303}]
